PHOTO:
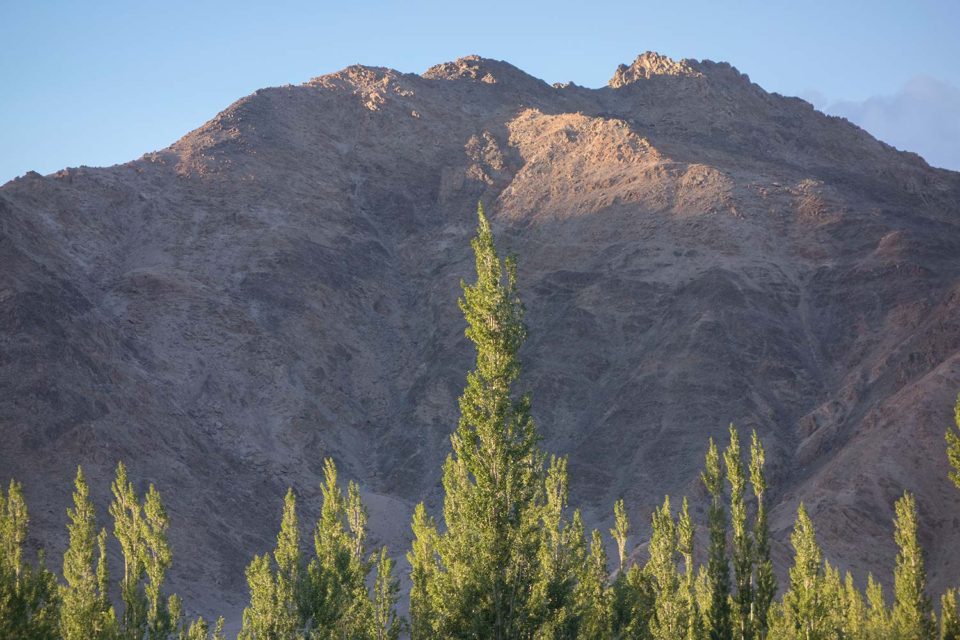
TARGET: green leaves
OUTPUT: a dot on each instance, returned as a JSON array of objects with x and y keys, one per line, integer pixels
[
  {"x": 719, "y": 625},
  {"x": 486, "y": 568},
  {"x": 953, "y": 445},
  {"x": 28, "y": 595},
  {"x": 327, "y": 599},
  {"x": 912, "y": 610},
  {"x": 85, "y": 612}
]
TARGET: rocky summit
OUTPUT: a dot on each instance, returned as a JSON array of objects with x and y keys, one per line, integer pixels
[{"x": 281, "y": 285}]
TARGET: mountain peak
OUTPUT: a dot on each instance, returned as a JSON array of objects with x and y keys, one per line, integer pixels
[
  {"x": 477, "y": 69},
  {"x": 650, "y": 64}
]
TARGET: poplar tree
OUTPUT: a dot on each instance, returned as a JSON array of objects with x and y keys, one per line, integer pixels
[
  {"x": 560, "y": 558},
  {"x": 288, "y": 585},
  {"x": 620, "y": 532},
  {"x": 632, "y": 594},
  {"x": 669, "y": 620},
  {"x": 423, "y": 571},
  {"x": 128, "y": 529},
  {"x": 949, "y": 616},
  {"x": 386, "y": 623},
  {"x": 141, "y": 530},
  {"x": 85, "y": 612},
  {"x": 162, "y": 617},
  {"x": 805, "y": 614},
  {"x": 953, "y": 444},
  {"x": 833, "y": 598},
  {"x": 912, "y": 609},
  {"x": 259, "y": 616},
  {"x": 593, "y": 596},
  {"x": 878, "y": 625},
  {"x": 742, "y": 544},
  {"x": 337, "y": 604},
  {"x": 632, "y": 604},
  {"x": 274, "y": 611},
  {"x": 200, "y": 630},
  {"x": 685, "y": 545},
  {"x": 854, "y": 611},
  {"x": 719, "y": 626},
  {"x": 29, "y": 602},
  {"x": 493, "y": 479},
  {"x": 765, "y": 589}
]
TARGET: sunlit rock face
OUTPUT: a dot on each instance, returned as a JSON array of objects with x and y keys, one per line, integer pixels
[{"x": 280, "y": 285}]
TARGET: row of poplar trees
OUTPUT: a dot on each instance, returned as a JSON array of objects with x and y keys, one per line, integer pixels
[{"x": 509, "y": 559}]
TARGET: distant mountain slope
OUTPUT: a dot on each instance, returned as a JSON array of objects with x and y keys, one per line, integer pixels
[{"x": 280, "y": 285}]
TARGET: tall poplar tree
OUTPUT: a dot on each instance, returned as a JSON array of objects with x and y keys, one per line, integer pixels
[
  {"x": 337, "y": 603},
  {"x": 162, "y": 616},
  {"x": 385, "y": 622},
  {"x": 765, "y": 589},
  {"x": 620, "y": 532},
  {"x": 912, "y": 617},
  {"x": 85, "y": 612},
  {"x": 669, "y": 620},
  {"x": 494, "y": 478},
  {"x": 29, "y": 602},
  {"x": 274, "y": 609},
  {"x": 742, "y": 543},
  {"x": 953, "y": 444},
  {"x": 949, "y": 616},
  {"x": 805, "y": 614},
  {"x": 128, "y": 529},
  {"x": 592, "y": 595},
  {"x": 719, "y": 624},
  {"x": 685, "y": 537},
  {"x": 560, "y": 558},
  {"x": 423, "y": 571},
  {"x": 878, "y": 624},
  {"x": 854, "y": 610}
]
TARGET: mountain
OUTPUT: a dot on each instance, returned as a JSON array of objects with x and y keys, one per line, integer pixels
[{"x": 281, "y": 285}]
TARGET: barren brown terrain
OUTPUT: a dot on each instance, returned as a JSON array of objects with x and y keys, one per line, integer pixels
[{"x": 280, "y": 285}]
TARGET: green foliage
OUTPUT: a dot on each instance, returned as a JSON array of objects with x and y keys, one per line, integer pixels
[
  {"x": 386, "y": 624},
  {"x": 337, "y": 603},
  {"x": 685, "y": 546},
  {"x": 949, "y": 616},
  {"x": 878, "y": 625},
  {"x": 633, "y": 601},
  {"x": 423, "y": 569},
  {"x": 274, "y": 610},
  {"x": 765, "y": 586},
  {"x": 29, "y": 602},
  {"x": 329, "y": 598},
  {"x": 85, "y": 612},
  {"x": 200, "y": 630},
  {"x": 128, "y": 529},
  {"x": 743, "y": 558},
  {"x": 718, "y": 620},
  {"x": 593, "y": 598},
  {"x": 494, "y": 478},
  {"x": 670, "y": 615},
  {"x": 141, "y": 530},
  {"x": 853, "y": 610},
  {"x": 620, "y": 531},
  {"x": 561, "y": 555},
  {"x": 953, "y": 444},
  {"x": 804, "y": 613},
  {"x": 912, "y": 617}
]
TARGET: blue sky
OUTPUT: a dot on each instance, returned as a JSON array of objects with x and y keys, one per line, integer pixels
[{"x": 99, "y": 83}]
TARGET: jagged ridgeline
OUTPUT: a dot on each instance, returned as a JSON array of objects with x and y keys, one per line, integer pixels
[{"x": 509, "y": 559}]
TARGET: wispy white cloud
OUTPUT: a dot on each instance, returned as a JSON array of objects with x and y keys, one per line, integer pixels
[{"x": 923, "y": 116}]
